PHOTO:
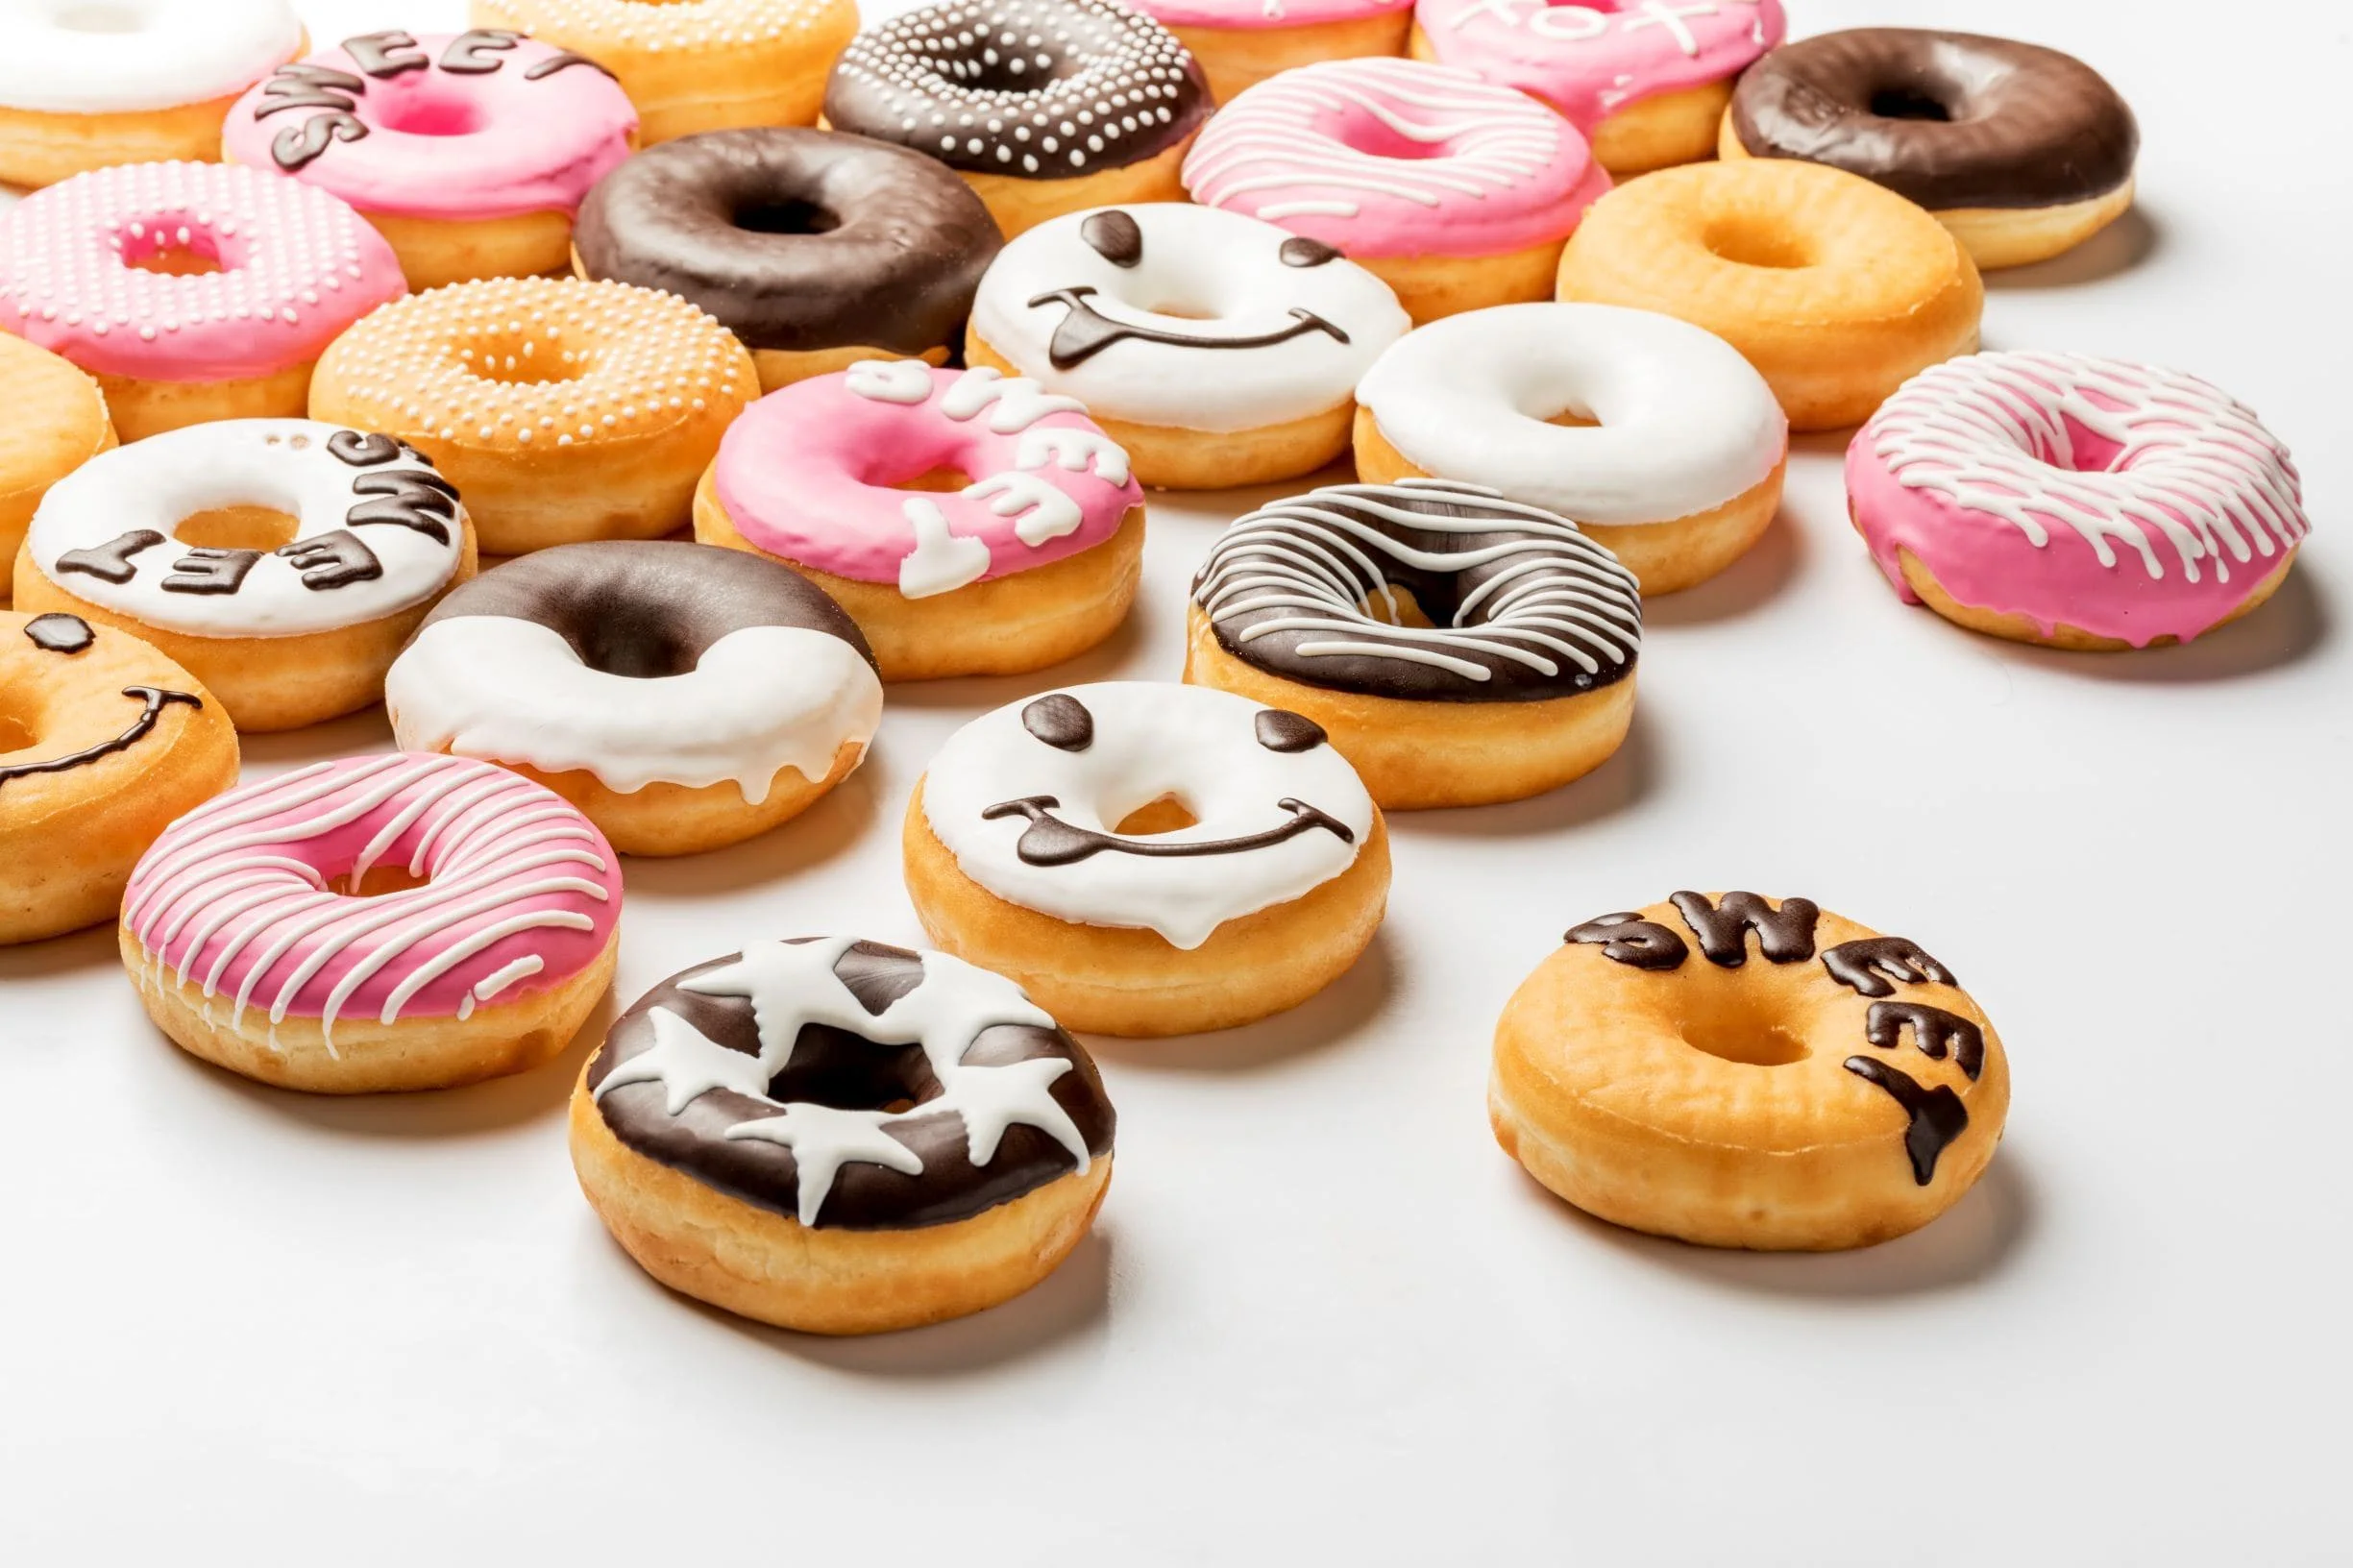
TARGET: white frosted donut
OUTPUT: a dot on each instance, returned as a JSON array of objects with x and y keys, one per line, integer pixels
[{"x": 112, "y": 56}]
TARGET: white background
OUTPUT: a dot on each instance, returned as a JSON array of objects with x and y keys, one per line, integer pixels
[{"x": 1323, "y": 1318}]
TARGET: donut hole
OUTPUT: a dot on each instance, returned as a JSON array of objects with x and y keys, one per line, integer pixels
[
  {"x": 617, "y": 642},
  {"x": 785, "y": 217},
  {"x": 97, "y": 16},
  {"x": 430, "y": 114},
  {"x": 1166, "y": 815},
  {"x": 1906, "y": 103},
  {"x": 1397, "y": 607},
  {"x": 1745, "y": 243},
  {"x": 2088, "y": 451},
  {"x": 1730, "y": 1031},
  {"x": 519, "y": 359},
  {"x": 16, "y": 732},
  {"x": 262, "y": 529},
  {"x": 174, "y": 253},
  {"x": 1363, "y": 132},
  {"x": 1003, "y": 73},
  {"x": 378, "y": 881},
  {"x": 831, "y": 1067},
  {"x": 944, "y": 479}
]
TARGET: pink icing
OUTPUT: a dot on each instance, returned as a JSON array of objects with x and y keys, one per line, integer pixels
[
  {"x": 1591, "y": 60},
  {"x": 297, "y": 267},
  {"x": 237, "y": 897},
  {"x": 1253, "y": 15},
  {"x": 454, "y": 144},
  {"x": 806, "y": 474},
  {"x": 2129, "y": 502},
  {"x": 1397, "y": 157}
]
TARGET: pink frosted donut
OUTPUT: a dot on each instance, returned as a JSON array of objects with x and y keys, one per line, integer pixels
[
  {"x": 245, "y": 929},
  {"x": 2078, "y": 501},
  {"x": 193, "y": 292}
]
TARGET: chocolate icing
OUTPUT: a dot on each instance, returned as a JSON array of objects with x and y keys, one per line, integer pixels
[
  {"x": 471, "y": 53},
  {"x": 1299, "y": 251},
  {"x": 364, "y": 449},
  {"x": 154, "y": 700},
  {"x": 111, "y": 562},
  {"x": 1050, "y": 841},
  {"x": 206, "y": 569},
  {"x": 1934, "y": 1031},
  {"x": 60, "y": 633},
  {"x": 411, "y": 499},
  {"x": 1061, "y": 721},
  {"x": 1950, "y": 120},
  {"x": 1786, "y": 935},
  {"x": 1279, "y": 730},
  {"x": 381, "y": 55},
  {"x": 1937, "y": 1114},
  {"x": 795, "y": 240},
  {"x": 1628, "y": 939},
  {"x": 1086, "y": 331},
  {"x": 1115, "y": 236},
  {"x": 1870, "y": 965},
  {"x": 332, "y": 560}
]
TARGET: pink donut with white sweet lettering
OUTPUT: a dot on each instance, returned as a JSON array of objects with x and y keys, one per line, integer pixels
[{"x": 408, "y": 920}]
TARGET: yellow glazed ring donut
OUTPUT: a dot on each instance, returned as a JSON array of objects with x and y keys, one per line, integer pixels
[
  {"x": 1820, "y": 1087},
  {"x": 1836, "y": 290},
  {"x": 57, "y": 422}
]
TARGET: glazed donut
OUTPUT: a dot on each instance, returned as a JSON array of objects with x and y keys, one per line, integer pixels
[
  {"x": 1647, "y": 83},
  {"x": 1047, "y": 107},
  {"x": 468, "y": 151},
  {"x": 1675, "y": 458},
  {"x": 815, "y": 250},
  {"x": 564, "y": 411},
  {"x": 1837, "y": 291},
  {"x": 102, "y": 742},
  {"x": 191, "y": 291},
  {"x": 1148, "y": 859},
  {"x": 1218, "y": 350},
  {"x": 384, "y": 922},
  {"x": 1033, "y": 561},
  {"x": 1324, "y": 605},
  {"x": 841, "y": 1137},
  {"x": 1240, "y": 43},
  {"x": 1455, "y": 193},
  {"x": 1789, "y": 1105},
  {"x": 58, "y": 422},
  {"x": 693, "y": 65},
  {"x": 682, "y": 698},
  {"x": 2073, "y": 502},
  {"x": 2023, "y": 152},
  {"x": 282, "y": 560},
  {"x": 85, "y": 86}
]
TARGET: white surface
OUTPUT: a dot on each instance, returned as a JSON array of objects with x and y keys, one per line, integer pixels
[{"x": 1323, "y": 1318}]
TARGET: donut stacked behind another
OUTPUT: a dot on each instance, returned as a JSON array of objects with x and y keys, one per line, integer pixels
[
  {"x": 1240, "y": 43},
  {"x": 56, "y": 421}
]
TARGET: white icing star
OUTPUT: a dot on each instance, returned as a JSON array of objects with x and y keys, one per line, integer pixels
[
  {"x": 789, "y": 984},
  {"x": 688, "y": 1064},
  {"x": 823, "y": 1139},
  {"x": 992, "y": 1099}
]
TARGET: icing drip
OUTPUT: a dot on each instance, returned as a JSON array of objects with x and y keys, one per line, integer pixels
[{"x": 1936, "y": 1116}]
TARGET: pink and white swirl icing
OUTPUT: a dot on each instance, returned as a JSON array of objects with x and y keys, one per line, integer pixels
[
  {"x": 1397, "y": 157},
  {"x": 1588, "y": 61},
  {"x": 1257, "y": 15},
  {"x": 807, "y": 474},
  {"x": 296, "y": 267},
  {"x": 2125, "y": 500},
  {"x": 241, "y": 898}
]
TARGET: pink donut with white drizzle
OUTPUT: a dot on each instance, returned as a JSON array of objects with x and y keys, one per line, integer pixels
[
  {"x": 2075, "y": 501},
  {"x": 407, "y": 921}
]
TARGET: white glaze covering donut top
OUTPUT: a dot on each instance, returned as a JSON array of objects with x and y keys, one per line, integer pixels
[
  {"x": 1145, "y": 740},
  {"x": 1685, "y": 424},
  {"x": 121, "y": 57}
]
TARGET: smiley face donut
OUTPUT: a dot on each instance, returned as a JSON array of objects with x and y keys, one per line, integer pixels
[
  {"x": 384, "y": 922},
  {"x": 841, "y": 1137},
  {"x": 103, "y": 743},
  {"x": 1240, "y": 43},
  {"x": 1031, "y": 562},
  {"x": 58, "y": 422},
  {"x": 468, "y": 151},
  {"x": 282, "y": 560},
  {"x": 1815, "y": 1088},
  {"x": 1216, "y": 349},
  {"x": 1148, "y": 859}
]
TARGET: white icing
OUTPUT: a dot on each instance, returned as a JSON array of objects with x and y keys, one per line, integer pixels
[
  {"x": 941, "y": 562},
  {"x": 110, "y": 57},
  {"x": 1013, "y": 404},
  {"x": 1072, "y": 451},
  {"x": 1686, "y": 424},
  {"x": 889, "y": 380}
]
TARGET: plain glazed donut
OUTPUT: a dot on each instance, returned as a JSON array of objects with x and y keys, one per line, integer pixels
[
  {"x": 1032, "y": 557},
  {"x": 682, "y": 698},
  {"x": 191, "y": 291},
  {"x": 1841, "y": 1093},
  {"x": 2023, "y": 152},
  {"x": 468, "y": 152},
  {"x": 815, "y": 250},
  {"x": 384, "y": 922},
  {"x": 1672, "y": 448},
  {"x": 1458, "y": 647},
  {"x": 282, "y": 560},
  {"x": 564, "y": 411},
  {"x": 2073, "y": 502},
  {"x": 1240, "y": 43},
  {"x": 102, "y": 742},
  {"x": 841, "y": 1136},
  {"x": 58, "y": 422},
  {"x": 1148, "y": 859},
  {"x": 1837, "y": 291}
]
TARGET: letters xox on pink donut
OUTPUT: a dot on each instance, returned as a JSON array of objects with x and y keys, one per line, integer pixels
[{"x": 1589, "y": 61}]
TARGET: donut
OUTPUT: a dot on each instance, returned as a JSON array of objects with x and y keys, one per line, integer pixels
[
  {"x": 1836, "y": 290},
  {"x": 1646, "y": 82},
  {"x": 83, "y": 85},
  {"x": 1047, "y": 107},
  {"x": 841, "y": 1136},
  {"x": 191, "y": 291},
  {"x": 2023, "y": 152},
  {"x": 1460, "y": 649},
  {"x": 564, "y": 411},
  {"x": 692, "y": 65},
  {"x": 1839, "y": 1091},
  {"x": 864, "y": 482},
  {"x": 1218, "y": 350},
  {"x": 103, "y": 743},
  {"x": 1672, "y": 454},
  {"x": 57, "y": 422},
  {"x": 683, "y": 697},
  {"x": 1147, "y": 859},
  {"x": 2075, "y": 501},
  {"x": 815, "y": 250},
  {"x": 468, "y": 151},
  {"x": 1240, "y": 43},
  {"x": 1455, "y": 193},
  {"x": 385, "y": 923},
  {"x": 282, "y": 560}
]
